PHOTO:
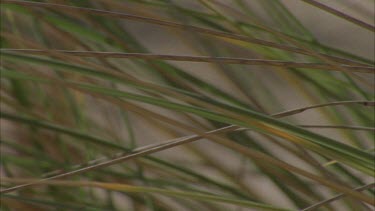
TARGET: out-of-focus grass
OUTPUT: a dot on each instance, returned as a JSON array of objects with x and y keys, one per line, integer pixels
[{"x": 99, "y": 111}]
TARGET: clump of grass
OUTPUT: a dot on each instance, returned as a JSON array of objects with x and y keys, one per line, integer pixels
[{"x": 181, "y": 105}]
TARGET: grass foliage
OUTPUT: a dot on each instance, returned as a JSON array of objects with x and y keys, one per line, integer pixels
[{"x": 182, "y": 105}]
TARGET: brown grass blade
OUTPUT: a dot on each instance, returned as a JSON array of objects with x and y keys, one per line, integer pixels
[
  {"x": 341, "y": 15},
  {"x": 225, "y": 60}
]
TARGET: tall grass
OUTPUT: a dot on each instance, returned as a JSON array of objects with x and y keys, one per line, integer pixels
[{"x": 183, "y": 105}]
